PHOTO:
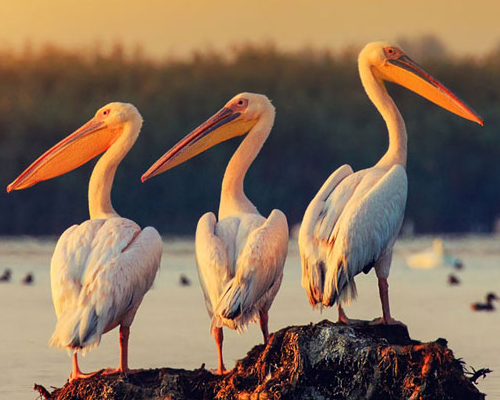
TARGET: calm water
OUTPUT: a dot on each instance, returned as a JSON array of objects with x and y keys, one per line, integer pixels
[{"x": 172, "y": 327}]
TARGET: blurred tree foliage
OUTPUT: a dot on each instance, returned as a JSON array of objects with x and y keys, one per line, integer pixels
[{"x": 324, "y": 120}]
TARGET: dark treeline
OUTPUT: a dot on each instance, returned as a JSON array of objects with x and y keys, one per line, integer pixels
[{"x": 324, "y": 119}]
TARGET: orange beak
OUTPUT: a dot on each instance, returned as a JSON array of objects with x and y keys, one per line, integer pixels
[
  {"x": 222, "y": 126},
  {"x": 405, "y": 72},
  {"x": 90, "y": 140}
]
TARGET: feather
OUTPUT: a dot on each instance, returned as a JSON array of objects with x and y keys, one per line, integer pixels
[
  {"x": 346, "y": 229},
  {"x": 240, "y": 265},
  {"x": 100, "y": 271}
]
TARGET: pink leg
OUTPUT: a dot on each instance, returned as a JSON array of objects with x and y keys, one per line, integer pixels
[
  {"x": 263, "y": 319},
  {"x": 124, "y": 334},
  {"x": 342, "y": 317},
  {"x": 219, "y": 337},
  {"x": 123, "y": 367},
  {"x": 76, "y": 373},
  {"x": 383, "y": 289}
]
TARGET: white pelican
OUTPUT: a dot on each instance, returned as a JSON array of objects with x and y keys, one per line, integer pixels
[
  {"x": 240, "y": 258},
  {"x": 434, "y": 257},
  {"x": 102, "y": 268},
  {"x": 352, "y": 223}
]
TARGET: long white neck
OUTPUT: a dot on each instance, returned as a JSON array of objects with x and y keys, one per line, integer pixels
[
  {"x": 233, "y": 199},
  {"x": 104, "y": 171},
  {"x": 376, "y": 91}
]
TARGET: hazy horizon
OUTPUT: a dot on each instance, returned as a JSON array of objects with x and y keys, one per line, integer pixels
[{"x": 176, "y": 29}]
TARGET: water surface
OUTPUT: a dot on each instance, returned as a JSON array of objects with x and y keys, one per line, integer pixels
[{"x": 171, "y": 327}]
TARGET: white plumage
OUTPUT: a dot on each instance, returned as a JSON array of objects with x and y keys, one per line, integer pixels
[
  {"x": 240, "y": 258},
  {"x": 340, "y": 238},
  {"x": 352, "y": 223},
  {"x": 240, "y": 265},
  {"x": 99, "y": 275},
  {"x": 102, "y": 268}
]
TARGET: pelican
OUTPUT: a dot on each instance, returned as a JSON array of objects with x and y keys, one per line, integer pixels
[
  {"x": 437, "y": 256},
  {"x": 102, "y": 268},
  {"x": 240, "y": 258},
  {"x": 351, "y": 224}
]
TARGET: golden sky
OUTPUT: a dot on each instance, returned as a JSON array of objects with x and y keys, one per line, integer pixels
[{"x": 177, "y": 27}]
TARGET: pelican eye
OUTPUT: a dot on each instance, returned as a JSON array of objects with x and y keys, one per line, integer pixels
[
  {"x": 105, "y": 112},
  {"x": 241, "y": 103},
  {"x": 392, "y": 52}
]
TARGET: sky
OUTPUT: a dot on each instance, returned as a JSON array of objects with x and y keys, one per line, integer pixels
[{"x": 177, "y": 27}]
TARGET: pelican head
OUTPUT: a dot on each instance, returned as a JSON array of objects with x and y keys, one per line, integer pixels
[
  {"x": 389, "y": 63},
  {"x": 87, "y": 142},
  {"x": 237, "y": 117}
]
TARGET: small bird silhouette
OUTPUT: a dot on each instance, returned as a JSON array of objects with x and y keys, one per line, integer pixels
[
  {"x": 453, "y": 280},
  {"x": 184, "y": 280},
  {"x": 488, "y": 306},
  {"x": 6, "y": 275},
  {"x": 29, "y": 279}
]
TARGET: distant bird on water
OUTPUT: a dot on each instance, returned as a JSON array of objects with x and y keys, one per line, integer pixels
[
  {"x": 434, "y": 257},
  {"x": 184, "y": 280},
  {"x": 240, "y": 258},
  {"x": 453, "y": 280},
  {"x": 102, "y": 268},
  {"x": 7, "y": 274},
  {"x": 29, "y": 279},
  {"x": 488, "y": 306},
  {"x": 352, "y": 224}
]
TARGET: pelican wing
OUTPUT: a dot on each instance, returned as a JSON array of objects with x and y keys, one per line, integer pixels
[
  {"x": 317, "y": 225},
  {"x": 369, "y": 223},
  {"x": 259, "y": 270},
  {"x": 214, "y": 269},
  {"x": 100, "y": 272}
]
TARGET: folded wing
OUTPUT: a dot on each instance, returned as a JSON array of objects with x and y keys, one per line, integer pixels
[
  {"x": 214, "y": 269},
  {"x": 369, "y": 223},
  {"x": 319, "y": 219},
  {"x": 259, "y": 271},
  {"x": 100, "y": 272}
]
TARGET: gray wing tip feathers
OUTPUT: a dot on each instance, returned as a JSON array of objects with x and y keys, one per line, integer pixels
[
  {"x": 230, "y": 304},
  {"x": 344, "y": 289},
  {"x": 68, "y": 332}
]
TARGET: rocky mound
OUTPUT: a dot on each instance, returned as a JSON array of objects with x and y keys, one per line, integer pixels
[{"x": 320, "y": 361}]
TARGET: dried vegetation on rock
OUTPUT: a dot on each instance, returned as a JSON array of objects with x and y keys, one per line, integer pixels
[{"x": 320, "y": 361}]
